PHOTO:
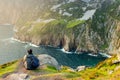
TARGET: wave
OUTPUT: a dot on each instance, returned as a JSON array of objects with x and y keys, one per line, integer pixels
[
  {"x": 102, "y": 54},
  {"x": 8, "y": 40},
  {"x": 33, "y": 45},
  {"x": 30, "y": 44},
  {"x": 90, "y": 54},
  {"x": 105, "y": 55},
  {"x": 63, "y": 50},
  {"x": 16, "y": 40}
]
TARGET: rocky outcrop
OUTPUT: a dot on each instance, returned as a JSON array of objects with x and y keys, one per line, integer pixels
[
  {"x": 115, "y": 41},
  {"x": 48, "y": 65},
  {"x": 48, "y": 60},
  {"x": 80, "y": 68}
]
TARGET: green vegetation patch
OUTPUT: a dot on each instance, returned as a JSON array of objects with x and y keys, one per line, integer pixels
[
  {"x": 103, "y": 47},
  {"x": 47, "y": 69},
  {"x": 103, "y": 70},
  {"x": 71, "y": 74},
  {"x": 56, "y": 22},
  {"x": 74, "y": 23},
  {"x": 8, "y": 67}
]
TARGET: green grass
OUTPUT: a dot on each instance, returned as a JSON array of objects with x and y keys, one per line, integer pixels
[
  {"x": 42, "y": 27},
  {"x": 104, "y": 46},
  {"x": 71, "y": 74},
  {"x": 100, "y": 72},
  {"x": 7, "y": 68},
  {"x": 74, "y": 23},
  {"x": 48, "y": 69}
]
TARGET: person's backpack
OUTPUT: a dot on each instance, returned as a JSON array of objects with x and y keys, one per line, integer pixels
[{"x": 32, "y": 62}]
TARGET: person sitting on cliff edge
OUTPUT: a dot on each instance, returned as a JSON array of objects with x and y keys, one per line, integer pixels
[{"x": 30, "y": 61}]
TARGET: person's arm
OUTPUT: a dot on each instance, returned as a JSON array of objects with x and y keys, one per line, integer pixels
[{"x": 24, "y": 58}]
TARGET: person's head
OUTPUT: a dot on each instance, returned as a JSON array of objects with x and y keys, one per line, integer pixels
[{"x": 30, "y": 51}]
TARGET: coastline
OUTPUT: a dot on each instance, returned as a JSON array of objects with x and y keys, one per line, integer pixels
[
  {"x": 63, "y": 50},
  {"x": 14, "y": 39}
]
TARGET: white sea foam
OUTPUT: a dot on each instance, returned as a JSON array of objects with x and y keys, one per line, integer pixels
[
  {"x": 33, "y": 45},
  {"x": 92, "y": 55},
  {"x": 18, "y": 40},
  {"x": 8, "y": 40},
  {"x": 63, "y": 50},
  {"x": 105, "y": 55},
  {"x": 30, "y": 44}
]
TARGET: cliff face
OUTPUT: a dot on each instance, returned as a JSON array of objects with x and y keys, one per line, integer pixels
[
  {"x": 75, "y": 25},
  {"x": 106, "y": 22}
]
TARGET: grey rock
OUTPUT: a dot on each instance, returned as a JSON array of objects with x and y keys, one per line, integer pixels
[
  {"x": 80, "y": 68},
  {"x": 47, "y": 59}
]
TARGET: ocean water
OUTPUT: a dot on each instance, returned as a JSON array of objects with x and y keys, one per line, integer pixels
[{"x": 12, "y": 49}]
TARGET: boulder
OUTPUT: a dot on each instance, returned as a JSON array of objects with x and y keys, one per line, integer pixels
[
  {"x": 80, "y": 68},
  {"x": 47, "y": 59}
]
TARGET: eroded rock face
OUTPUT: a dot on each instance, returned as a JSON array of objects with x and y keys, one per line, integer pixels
[
  {"x": 115, "y": 41},
  {"x": 100, "y": 33},
  {"x": 47, "y": 59}
]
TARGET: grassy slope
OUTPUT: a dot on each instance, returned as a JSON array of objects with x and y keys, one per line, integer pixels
[
  {"x": 106, "y": 70},
  {"x": 7, "y": 68},
  {"x": 74, "y": 23}
]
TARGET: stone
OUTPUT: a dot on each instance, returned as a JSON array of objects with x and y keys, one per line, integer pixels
[
  {"x": 47, "y": 59},
  {"x": 115, "y": 62},
  {"x": 80, "y": 68}
]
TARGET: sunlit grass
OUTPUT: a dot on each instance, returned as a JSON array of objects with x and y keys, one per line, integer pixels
[
  {"x": 7, "y": 68},
  {"x": 101, "y": 72},
  {"x": 74, "y": 23}
]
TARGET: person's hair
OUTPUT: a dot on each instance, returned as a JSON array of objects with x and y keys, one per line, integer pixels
[{"x": 30, "y": 51}]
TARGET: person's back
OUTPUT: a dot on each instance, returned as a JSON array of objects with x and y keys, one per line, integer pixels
[{"x": 30, "y": 61}]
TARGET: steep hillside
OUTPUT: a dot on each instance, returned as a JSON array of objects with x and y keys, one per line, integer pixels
[
  {"x": 106, "y": 23},
  {"x": 75, "y": 25},
  {"x": 65, "y": 25}
]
